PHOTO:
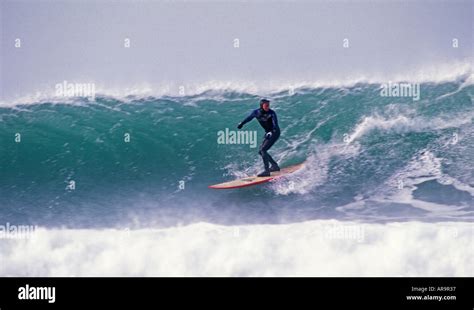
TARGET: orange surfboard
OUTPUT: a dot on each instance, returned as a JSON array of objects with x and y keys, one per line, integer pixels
[{"x": 254, "y": 180}]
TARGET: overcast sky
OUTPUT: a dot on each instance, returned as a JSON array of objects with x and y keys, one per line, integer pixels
[{"x": 193, "y": 41}]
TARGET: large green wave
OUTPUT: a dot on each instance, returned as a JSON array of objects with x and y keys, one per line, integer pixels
[{"x": 153, "y": 158}]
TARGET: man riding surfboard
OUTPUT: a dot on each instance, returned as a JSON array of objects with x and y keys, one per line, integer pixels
[{"x": 268, "y": 120}]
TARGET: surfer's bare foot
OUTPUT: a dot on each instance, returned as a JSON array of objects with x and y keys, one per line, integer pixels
[{"x": 264, "y": 174}]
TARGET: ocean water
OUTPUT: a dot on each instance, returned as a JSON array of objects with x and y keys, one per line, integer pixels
[{"x": 388, "y": 188}]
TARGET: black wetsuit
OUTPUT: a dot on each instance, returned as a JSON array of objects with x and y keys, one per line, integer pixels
[{"x": 269, "y": 122}]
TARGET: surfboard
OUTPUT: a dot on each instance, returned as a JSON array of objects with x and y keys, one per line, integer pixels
[{"x": 254, "y": 180}]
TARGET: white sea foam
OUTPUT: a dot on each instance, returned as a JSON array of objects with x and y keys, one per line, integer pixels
[
  {"x": 214, "y": 88},
  {"x": 423, "y": 167},
  {"x": 316, "y": 248},
  {"x": 403, "y": 123},
  {"x": 315, "y": 172}
]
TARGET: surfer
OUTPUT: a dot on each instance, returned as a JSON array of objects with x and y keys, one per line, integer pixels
[{"x": 268, "y": 120}]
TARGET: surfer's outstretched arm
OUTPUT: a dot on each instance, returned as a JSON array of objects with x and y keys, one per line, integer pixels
[{"x": 247, "y": 119}]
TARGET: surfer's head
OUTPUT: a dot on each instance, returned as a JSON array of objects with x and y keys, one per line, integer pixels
[{"x": 265, "y": 105}]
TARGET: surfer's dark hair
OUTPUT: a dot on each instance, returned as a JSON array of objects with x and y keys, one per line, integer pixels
[{"x": 263, "y": 101}]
